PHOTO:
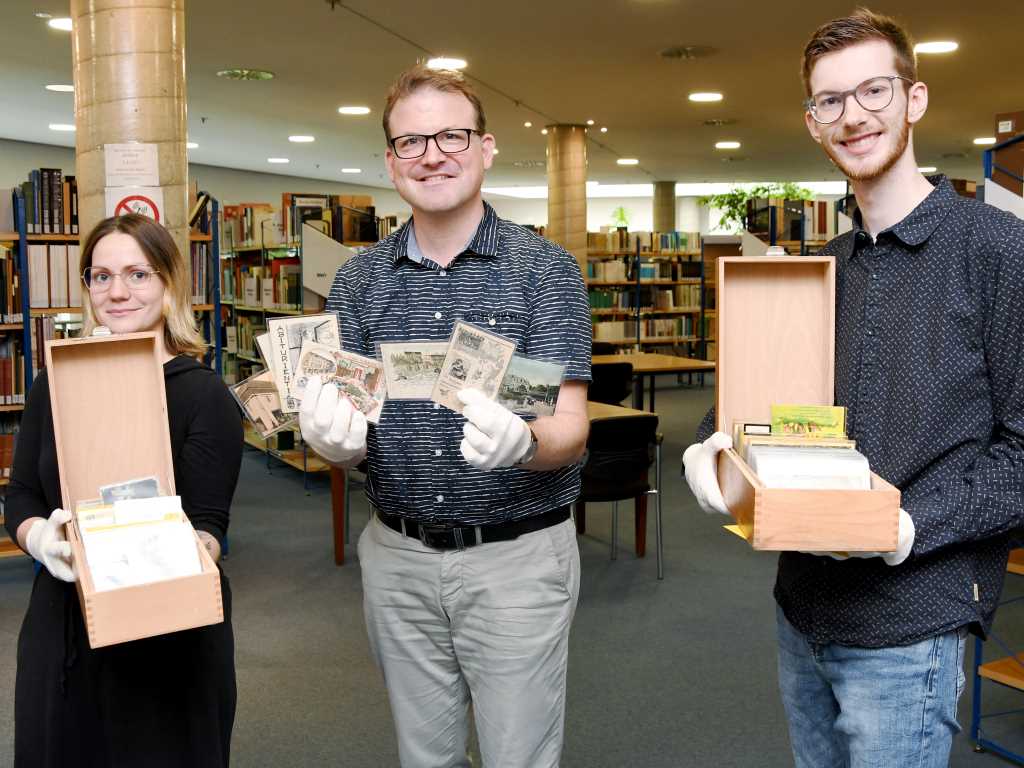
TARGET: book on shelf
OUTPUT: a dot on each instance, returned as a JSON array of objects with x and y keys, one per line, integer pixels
[
  {"x": 53, "y": 275},
  {"x": 51, "y": 202},
  {"x": 10, "y": 286},
  {"x": 621, "y": 239},
  {"x": 200, "y": 262},
  {"x": 12, "y": 371},
  {"x": 606, "y": 271},
  {"x": 244, "y": 225}
]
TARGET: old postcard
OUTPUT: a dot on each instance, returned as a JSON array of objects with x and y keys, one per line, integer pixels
[
  {"x": 261, "y": 403},
  {"x": 476, "y": 359},
  {"x": 531, "y": 385},
  {"x": 263, "y": 345},
  {"x": 412, "y": 367},
  {"x": 287, "y": 335},
  {"x": 358, "y": 378},
  {"x": 139, "y": 488}
]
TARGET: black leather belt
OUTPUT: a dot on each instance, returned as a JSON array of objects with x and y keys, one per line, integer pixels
[{"x": 438, "y": 536}]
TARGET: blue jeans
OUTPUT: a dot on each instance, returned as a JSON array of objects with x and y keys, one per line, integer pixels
[{"x": 871, "y": 707}]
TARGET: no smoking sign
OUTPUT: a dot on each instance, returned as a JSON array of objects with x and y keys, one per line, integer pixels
[{"x": 146, "y": 201}]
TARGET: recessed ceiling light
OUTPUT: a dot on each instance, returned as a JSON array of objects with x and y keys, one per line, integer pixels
[
  {"x": 985, "y": 140},
  {"x": 727, "y": 145},
  {"x": 705, "y": 96},
  {"x": 191, "y": 145},
  {"x": 43, "y": 15},
  {"x": 627, "y": 161},
  {"x": 936, "y": 46},
  {"x": 353, "y": 110},
  {"x": 61, "y": 127},
  {"x": 604, "y": 129},
  {"x": 544, "y": 131},
  {"x": 239, "y": 73},
  {"x": 61, "y": 88},
  {"x": 927, "y": 169},
  {"x": 301, "y": 139},
  {"x": 277, "y": 159},
  {"x": 351, "y": 170},
  {"x": 63, "y": 24},
  {"x": 527, "y": 124},
  {"x": 590, "y": 122},
  {"x": 442, "y": 62}
]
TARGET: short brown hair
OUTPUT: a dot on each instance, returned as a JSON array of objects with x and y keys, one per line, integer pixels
[
  {"x": 445, "y": 80},
  {"x": 181, "y": 337},
  {"x": 859, "y": 27}
]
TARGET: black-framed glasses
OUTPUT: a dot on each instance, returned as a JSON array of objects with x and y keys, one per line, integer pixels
[
  {"x": 874, "y": 95},
  {"x": 99, "y": 280},
  {"x": 449, "y": 141}
]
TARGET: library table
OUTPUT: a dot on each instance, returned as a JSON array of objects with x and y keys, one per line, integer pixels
[{"x": 650, "y": 365}]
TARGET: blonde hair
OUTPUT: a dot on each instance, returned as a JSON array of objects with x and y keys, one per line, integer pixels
[
  {"x": 444, "y": 80},
  {"x": 181, "y": 337}
]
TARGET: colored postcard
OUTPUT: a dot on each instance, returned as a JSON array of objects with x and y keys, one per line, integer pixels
[
  {"x": 412, "y": 367},
  {"x": 475, "y": 359},
  {"x": 360, "y": 379},
  {"x": 531, "y": 386},
  {"x": 812, "y": 420},
  {"x": 287, "y": 335}
]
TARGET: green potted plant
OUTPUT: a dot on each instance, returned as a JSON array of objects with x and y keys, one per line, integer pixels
[{"x": 733, "y": 204}]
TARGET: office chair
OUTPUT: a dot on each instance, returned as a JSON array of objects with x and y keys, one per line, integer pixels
[{"x": 610, "y": 382}]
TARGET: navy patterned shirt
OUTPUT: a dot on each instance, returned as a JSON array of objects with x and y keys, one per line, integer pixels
[
  {"x": 929, "y": 352},
  {"x": 508, "y": 281}
]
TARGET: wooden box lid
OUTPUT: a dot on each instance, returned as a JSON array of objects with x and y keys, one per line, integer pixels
[
  {"x": 776, "y": 335},
  {"x": 109, "y": 413}
]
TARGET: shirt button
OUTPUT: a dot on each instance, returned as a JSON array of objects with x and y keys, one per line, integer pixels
[
  {"x": 871, "y": 333},
  {"x": 874, "y": 275},
  {"x": 443, "y": 273},
  {"x": 437, "y": 406},
  {"x": 492, "y": 321},
  {"x": 437, "y": 452},
  {"x": 437, "y": 315},
  {"x": 440, "y": 498}
]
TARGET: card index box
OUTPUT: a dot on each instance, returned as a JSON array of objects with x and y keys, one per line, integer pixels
[
  {"x": 110, "y": 425},
  {"x": 776, "y": 344}
]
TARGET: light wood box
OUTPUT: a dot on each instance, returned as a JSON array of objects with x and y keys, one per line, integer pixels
[
  {"x": 110, "y": 424},
  {"x": 776, "y": 345}
]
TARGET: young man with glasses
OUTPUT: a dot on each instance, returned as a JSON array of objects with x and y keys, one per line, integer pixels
[
  {"x": 929, "y": 346},
  {"x": 470, "y": 565}
]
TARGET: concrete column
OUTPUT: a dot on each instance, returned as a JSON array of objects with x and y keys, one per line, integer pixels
[
  {"x": 567, "y": 190},
  {"x": 129, "y": 69},
  {"x": 664, "y": 206}
]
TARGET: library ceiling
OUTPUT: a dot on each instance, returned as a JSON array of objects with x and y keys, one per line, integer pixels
[{"x": 628, "y": 65}]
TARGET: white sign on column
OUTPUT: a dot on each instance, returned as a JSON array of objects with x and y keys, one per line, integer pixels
[{"x": 131, "y": 165}]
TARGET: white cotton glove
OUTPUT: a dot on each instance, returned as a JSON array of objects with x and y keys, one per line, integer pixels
[
  {"x": 493, "y": 435},
  {"x": 904, "y": 543},
  {"x": 701, "y": 469},
  {"x": 46, "y": 543},
  {"x": 331, "y": 425}
]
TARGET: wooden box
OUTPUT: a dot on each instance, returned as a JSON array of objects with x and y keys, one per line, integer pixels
[
  {"x": 110, "y": 425},
  {"x": 776, "y": 345}
]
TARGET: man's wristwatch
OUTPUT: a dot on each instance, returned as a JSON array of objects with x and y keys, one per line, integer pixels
[{"x": 531, "y": 451}]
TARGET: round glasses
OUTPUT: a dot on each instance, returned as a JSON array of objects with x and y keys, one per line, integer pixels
[
  {"x": 874, "y": 95},
  {"x": 99, "y": 280},
  {"x": 449, "y": 141}
]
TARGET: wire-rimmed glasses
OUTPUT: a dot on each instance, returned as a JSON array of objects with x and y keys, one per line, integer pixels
[
  {"x": 874, "y": 95},
  {"x": 99, "y": 279},
  {"x": 449, "y": 141}
]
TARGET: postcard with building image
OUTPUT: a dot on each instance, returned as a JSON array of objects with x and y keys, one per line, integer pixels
[
  {"x": 360, "y": 379},
  {"x": 531, "y": 385},
  {"x": 412, "y": 367},
  {"x": 287, "y": 336},
  {"x": 475, "y": 358},
  {"x": 261, "y": 404}
]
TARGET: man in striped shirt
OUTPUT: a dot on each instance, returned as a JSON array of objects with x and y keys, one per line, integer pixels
[{"x": 470, "y": 565}]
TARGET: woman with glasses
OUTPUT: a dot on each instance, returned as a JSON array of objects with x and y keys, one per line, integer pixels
[{"x": 162, "y": 701}]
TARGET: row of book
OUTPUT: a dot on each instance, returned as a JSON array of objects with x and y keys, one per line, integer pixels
[
  {"x": 9, "y": 426},
  {"x": 51, "y": 203},
  {"x": 10, "y": 286},
  {"x": 277, "y": 285},
  {"x": 200, "y": 260},
  {"x": 621, "y": 239},
  {"x": 12, "y": 371},
  {"x": 650, "y": 328},
  {"x": 346, "y": 218},
  {"x": 676, "y": 297},
  {"x": 793, "y": 219},
  {"x": 53, "y": 277},
  {"x": 607, "y": 271},
  {"x": 669, "y": 270}
]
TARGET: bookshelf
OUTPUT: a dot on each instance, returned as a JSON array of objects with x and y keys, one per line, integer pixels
[
  {"x": 800, "y": 226},
  {"x": 648, "y": 294}
]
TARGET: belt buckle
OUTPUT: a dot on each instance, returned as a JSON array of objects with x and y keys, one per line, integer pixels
[{"x": 428, "y": 532}]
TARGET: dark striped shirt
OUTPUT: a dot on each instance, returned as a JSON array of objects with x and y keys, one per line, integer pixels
[{"x": 508, "y": 281}]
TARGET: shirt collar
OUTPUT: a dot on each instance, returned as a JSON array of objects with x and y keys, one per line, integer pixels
[
  {"x": 483, "y": 243},
  {"x": 921, "y": 222}
]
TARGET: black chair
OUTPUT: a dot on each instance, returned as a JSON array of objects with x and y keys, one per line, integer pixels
[
  {"x": 610, "y": 382},
  {"x": 620, "y": 452},
  {"x": 603, "y": 348}
]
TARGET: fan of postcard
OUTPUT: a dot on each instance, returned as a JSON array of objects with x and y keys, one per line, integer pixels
[{"x": 298, "y": 348}]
